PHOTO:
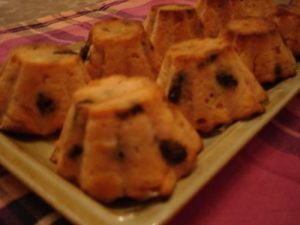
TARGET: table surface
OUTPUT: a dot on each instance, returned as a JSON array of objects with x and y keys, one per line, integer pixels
[
  {"x": 13, "y": 11},
  {"x": 260, "y": 186}
]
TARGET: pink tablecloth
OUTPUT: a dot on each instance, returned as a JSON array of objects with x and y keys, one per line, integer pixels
[{"x": 260, "y": 186}]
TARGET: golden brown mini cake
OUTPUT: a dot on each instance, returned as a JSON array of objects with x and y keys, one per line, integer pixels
[
  {"x": 261, "y": 47},
  {"x": 36, "y": 86},
  {"x": 215, "y": 14},
  {"x": 169, "y": 24},
  {"x": 119, "y": 46},
  {"x": 211, "y": 85},
  {"x": 287, "y": 19},
  {"x": 122, "y": 139}
]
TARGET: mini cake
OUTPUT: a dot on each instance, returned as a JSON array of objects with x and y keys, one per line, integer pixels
[
  {"x": 169, "y": 24},
  {"x": 208, "y": 81},
  {"x": 119, "y": 46},
  {"x": 287, "y": 19},
  {"x": 215, "y": 14},
  {"x": 36, "y": 86},
  {"x": 121, "y": 139},
  {"x": 261, "y": 47}
]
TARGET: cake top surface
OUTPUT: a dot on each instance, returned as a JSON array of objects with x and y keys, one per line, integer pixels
[
  {"x": 44, "y": 54},
  {"x": 196, "y": 48},
  {"x": 251, "y": 26},
  {"x": 116, "y": 87},
  {"x": 111, "y": 30},
  {"x": 173, "y": 7},
  {"x": 117, "y": 92}
]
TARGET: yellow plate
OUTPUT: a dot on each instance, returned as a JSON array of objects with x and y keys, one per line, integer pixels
[{"x": 29, "y": 161}]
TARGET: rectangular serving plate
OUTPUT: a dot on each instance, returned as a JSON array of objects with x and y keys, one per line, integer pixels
[{"x": 29, "y": 161}]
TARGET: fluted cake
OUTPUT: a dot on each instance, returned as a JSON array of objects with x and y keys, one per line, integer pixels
[{"x": 122, "y": 139}]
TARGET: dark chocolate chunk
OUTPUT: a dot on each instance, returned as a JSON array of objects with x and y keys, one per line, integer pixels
[
  {"x": 65, "y": 52},
  {"x": 213, "y": 57},
  {"x": 226, "y": 80},
  {"x": 151, "y": 47},
  {"x": 191, "y": 13},
  {"x": 278, "y": 71},
  {"x": 75, "y": 152},
  {"x": 176, "y": 88},
  {"x": 84, "y": 51},
  {"x": 173, "y": 152},
  {"x": 45, "y": 104},
  {"x": 120, "y": 155},
  {"x": 135, "y": 110}
]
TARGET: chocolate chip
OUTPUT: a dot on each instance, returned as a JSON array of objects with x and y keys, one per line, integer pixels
[
  {"x": 191, "y": 13},
  {"x": 120, "y": 156},
  {"x": 84, "y": 51},
  {"x": 278, "y": 71},
  {"x": 135, "y": 110},
  {"x": 213, "y": 57},
  {"x": 176, "y": 89},
  {"x": 45, "y": 104},
  {"x": 173, "y": 152},
  {"x": 151, "y": 47},
  {"x": 65, "y": 52},
  {"x": 226, "y": 79},
  {"x": 75, "y": 152}
]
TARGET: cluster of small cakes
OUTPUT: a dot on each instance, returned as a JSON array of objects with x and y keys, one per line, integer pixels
[
  {"x": 258, "y": 30},
  {"x": 133, "y": 130}
]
